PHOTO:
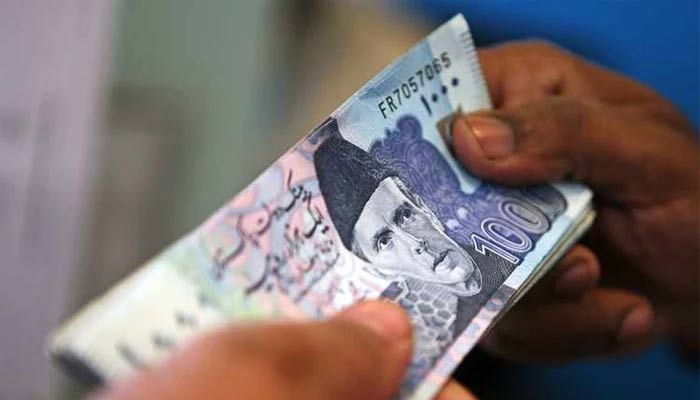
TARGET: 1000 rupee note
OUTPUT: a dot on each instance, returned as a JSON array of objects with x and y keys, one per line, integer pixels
[{"x": 370, "y": 204}]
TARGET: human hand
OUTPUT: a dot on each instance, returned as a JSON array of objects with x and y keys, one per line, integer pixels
[
  {"x": 360, "y": 354},
  {"x": 559, "y": 117}
]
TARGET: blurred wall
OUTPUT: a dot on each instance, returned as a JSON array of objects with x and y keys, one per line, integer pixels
[
  {"x": 213, "y": 57},
  {"x": 53, "y": 63}
]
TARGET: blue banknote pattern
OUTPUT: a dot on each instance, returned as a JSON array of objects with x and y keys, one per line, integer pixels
[{"x": 497, "y": 226}]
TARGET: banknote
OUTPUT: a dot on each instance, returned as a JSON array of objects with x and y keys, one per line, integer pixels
[{"x": 370, "y": 204}]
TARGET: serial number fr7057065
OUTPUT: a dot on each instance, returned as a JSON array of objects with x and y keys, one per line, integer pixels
[{"x": 413, "y": 84}]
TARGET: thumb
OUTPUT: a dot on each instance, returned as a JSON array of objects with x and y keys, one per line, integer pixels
[
  {"x": 360, "y": 354},
  {"x": 559, "y": 137}
]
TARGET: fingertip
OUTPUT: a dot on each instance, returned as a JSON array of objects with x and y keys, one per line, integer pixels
[
  {"x": 477, "y": 138},
  {"x": 580, "y": 273},
  {"x": 636, "y": 324},
  {"x": 389, "y": 321},
  {"x": 486, "y": 145},
  {"x": 463, "y": 142},
  {"x": 386, "y": 319},
  {"x": 495, "y": 138},
  {"x": 574, "y": 281},
  {"x": 391, "y": 324}
]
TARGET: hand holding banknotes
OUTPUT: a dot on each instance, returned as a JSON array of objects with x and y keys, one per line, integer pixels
[
  {"x": 362, "y": 353},
  {"x": 558, "y": 117}
]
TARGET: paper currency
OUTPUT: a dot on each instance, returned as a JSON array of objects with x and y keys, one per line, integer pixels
[{"x": 370, "y": 204}]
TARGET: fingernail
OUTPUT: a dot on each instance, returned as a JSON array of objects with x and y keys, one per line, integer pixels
[
  {"x": 384, "y": 318},
  {"x": 445, "y": 127},
  {"x": 574, "y": 281},
  {"x": 636, "y": 323},
  {"x": 495, "y": 137}
]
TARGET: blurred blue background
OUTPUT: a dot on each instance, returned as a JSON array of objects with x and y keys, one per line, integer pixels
[{"x": 655, "y": 42}]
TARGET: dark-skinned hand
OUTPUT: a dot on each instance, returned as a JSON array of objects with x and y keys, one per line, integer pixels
[{"x": 558, "y": 117}]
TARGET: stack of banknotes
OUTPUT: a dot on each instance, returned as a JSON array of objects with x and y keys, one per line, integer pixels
[{"x": 370, "y": 204}]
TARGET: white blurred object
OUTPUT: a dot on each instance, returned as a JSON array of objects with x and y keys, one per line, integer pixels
[{"x": 52, "y": 69}]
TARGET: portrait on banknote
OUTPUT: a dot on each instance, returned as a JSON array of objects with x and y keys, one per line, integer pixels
[{"x": 380, "y": 220}]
